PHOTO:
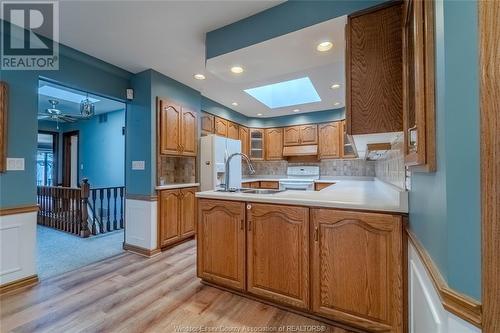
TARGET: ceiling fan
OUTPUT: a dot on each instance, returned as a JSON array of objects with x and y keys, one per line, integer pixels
[{"x": 87, "y": 110}]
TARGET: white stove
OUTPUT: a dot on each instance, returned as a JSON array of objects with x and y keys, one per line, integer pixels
[{"x": 300, "y": 178}]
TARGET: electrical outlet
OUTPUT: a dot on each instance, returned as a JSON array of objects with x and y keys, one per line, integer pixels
[
  {"x": 138, "y": 165},
  {"x": 15, "y": 164}
]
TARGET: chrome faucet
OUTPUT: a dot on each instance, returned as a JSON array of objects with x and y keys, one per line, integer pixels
[{"x": 226, "y": 175}]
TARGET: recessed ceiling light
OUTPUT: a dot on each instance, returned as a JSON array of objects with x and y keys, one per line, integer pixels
[
  {"x": 237, "y": 69},
  {"x": 259, "y": 114},
  {"x": 199, "y": 76},
  {"x": 324, "y": 46},
  {"x": 335, "y": 86},
  {"x": 336, "y": 103},
  {"x": 234, "y": 104},
  {"x": 296, "y": 110}
]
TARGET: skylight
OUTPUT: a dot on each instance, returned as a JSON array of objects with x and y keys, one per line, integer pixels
[
  {"x": 286, "y": 93},
  {"x": 64, "y": 94}
]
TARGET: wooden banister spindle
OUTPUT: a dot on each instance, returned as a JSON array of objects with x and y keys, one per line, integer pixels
[
  {"x": 94, "y": 212},
  {"x": 101, "y": 210},
  {"x": 122, "y": 202},
  {"x": 84, "y": 196},
  {"x": 108, "y": 213},
  {"x": 115, "y": 222}
]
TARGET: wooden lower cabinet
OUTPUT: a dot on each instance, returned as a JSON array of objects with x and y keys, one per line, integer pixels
[
  {"x": 319, "y": 186},
  {"x": 264, "y": 184},
  {"x": 188, "y": 212},
  {"x": 345, "y": 266},
  {"x": 278, "y": 253},
  {"x": 177, "y": 215},
  {"x": 269, "y": 185},
  {"x": 357, "y": 268},
  {"x": 221, "y": 243}
]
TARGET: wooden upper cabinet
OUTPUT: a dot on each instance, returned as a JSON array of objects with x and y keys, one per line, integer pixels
[
  {"x": 244, "y": 137},
  {"x": 221, "y": 126},
  {"x": 278, "y": 253},
  {"x": 233, "y": 130},
  {"x": 374, "y": 71},
  {"x": 300, "y": 135},
  {"x": 177, "y": 129},
  {"x": 419, "y": 85},
  {"x": 207, "y": 123},
  {"x": 274, "y": 143},
  {"x": 170, "y": 127},
  {"x": 189, "y": 138},
  {"x": 357, "y": 268},
  {"x": 291, "y": 136},
  {"x": 330, "y": 140},
  {"x": 221, "y": 243},
  {"x": 309, "y": 134},
  {"x": 169, "y": 217},
  {"x": 257, "y": 144},
  {"x": 188, "y": 212}
]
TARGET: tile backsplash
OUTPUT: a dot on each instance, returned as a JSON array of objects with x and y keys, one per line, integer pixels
[
  {"x": 392, "y": 169},
  {"x": 173, "y": 169},
  {"x": 334, "y": 167}
]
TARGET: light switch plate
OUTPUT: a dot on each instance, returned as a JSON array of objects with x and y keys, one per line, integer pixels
[
  {"x": 15, "y": 164},
  {"x": 138, "y": 165}
]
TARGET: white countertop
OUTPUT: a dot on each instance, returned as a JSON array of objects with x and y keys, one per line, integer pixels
[
  {"x": 171, "y": 186},
  {"x": 373, "y": 195}
]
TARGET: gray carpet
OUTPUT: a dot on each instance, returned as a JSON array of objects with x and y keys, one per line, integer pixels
[{"x": 59, "y": 252}]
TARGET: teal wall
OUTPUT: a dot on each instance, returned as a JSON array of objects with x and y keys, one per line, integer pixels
[
  {"x": 141, "y": 125},
  {"x": 101, "y": 148},
  {"x": 210, "y": 106},
  {"x": 77, "y": 70},
  {"x": 277, "y": 21},
  {"x": 139, "y": 136},
  {"x": 298, "y": 119},
  {"x": 220, "y": 110},
  {"x": 445, "y": 206}
]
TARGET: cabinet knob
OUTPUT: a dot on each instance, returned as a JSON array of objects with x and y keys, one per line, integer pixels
[{"x": 249, "y": 206}]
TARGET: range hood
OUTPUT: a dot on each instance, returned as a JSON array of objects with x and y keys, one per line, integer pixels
[{"x": 306, "y": 150}]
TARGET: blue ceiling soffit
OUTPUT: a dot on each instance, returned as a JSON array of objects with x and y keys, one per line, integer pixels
[{"x": 277, "y": 21}]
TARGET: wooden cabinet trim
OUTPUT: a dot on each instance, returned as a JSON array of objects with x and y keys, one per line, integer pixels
[{"x": 419, "y": 16}]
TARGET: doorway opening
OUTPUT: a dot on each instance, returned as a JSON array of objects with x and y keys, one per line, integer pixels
[{"x": 80, "y": 178}]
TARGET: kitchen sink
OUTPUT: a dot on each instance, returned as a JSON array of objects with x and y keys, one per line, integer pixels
[
  {"x": 250, "y": 191},
  {"x": 261, "y": 191}
]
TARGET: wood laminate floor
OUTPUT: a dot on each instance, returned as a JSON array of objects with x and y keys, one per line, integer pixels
[{"x": 130, "y": 293}]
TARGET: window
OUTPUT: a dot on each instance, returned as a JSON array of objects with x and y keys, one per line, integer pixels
[{"x": 45, "y": 160}]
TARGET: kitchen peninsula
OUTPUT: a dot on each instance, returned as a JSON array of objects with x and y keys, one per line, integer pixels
[{"x": 334, "y": 253}]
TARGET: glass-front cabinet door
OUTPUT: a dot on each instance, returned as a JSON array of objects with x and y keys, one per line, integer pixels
[{"x": 256, "y": 144}]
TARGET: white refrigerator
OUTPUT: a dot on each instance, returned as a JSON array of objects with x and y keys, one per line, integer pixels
[{"x": 214, "y": 151}]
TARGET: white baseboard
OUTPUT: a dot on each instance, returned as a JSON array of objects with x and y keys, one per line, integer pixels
[
  {"x": 426, "y": 312},
  {"x": 141, "y": 223},
  {"x": 17, "y": 246}
]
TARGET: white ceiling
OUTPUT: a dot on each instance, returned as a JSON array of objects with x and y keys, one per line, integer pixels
[
  {"x": 169, "y": 37},
  {"x": 284, "y": 58}
]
